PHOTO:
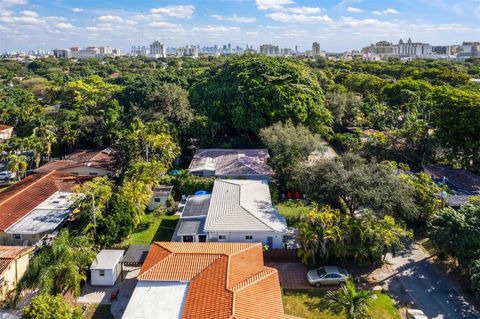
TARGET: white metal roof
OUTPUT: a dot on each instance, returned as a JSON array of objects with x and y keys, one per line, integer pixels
[
  {"x": 240, "y": 205},
  {"x": 47, "y": 216},
  {"x": 107, "y": 259},
  {"x": 157, "y": 299}
]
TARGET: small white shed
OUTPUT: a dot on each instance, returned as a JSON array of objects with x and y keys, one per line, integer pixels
[{"x": 106, "y": 267}]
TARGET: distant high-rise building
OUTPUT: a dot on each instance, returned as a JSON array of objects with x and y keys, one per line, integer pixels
[
  {"x": 62, "y": 53},
  {"x": 316, "y": 49},
  {"x": 269, "y": 49},
  {"x": 157, "y": 49},
  {"x": 413, "y": 49}
]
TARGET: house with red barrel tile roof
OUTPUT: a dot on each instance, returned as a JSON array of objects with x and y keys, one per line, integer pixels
[
  {"x": 206, "y": 280},
  {"x": 14, "y": 261},
  {"x": 99, "y": 162},
  {"x": 35, "y": 207}
]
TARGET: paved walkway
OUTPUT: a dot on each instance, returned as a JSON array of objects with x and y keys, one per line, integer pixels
[
  {"x": 292, "y": 275},
  {"x": 415, "y": 280},
  {"x": 96, "y": 294}
]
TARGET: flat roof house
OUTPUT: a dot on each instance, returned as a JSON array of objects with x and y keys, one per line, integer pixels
[
  {"x": 237, "y": 211},
  {"x": 106, "y": 268},
  {"x": 34, "y": 207},
  {"x": 206, "y": 280},
  {"x": 14, "y": 261},
  {"x": 230, "y": 163},
  {"x": 98, "y": 162}
]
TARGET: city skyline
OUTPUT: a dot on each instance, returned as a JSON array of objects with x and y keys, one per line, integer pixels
[{"x": 336, "y": 25}]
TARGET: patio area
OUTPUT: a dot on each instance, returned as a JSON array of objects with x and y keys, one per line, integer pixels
[{"x": 101, "y": 295}]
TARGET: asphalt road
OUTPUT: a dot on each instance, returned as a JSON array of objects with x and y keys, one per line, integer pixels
[{"x": 418, "y": 280}]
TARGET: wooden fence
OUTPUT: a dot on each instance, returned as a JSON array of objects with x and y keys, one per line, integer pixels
[{"x": 281, "y": 256}]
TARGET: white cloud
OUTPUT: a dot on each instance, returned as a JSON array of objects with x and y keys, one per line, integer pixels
[
  {"x": 272, "y": 4},
  {"x": 233, "y": 18},
  {"x": 77, "y": 10},
  {"x": 32, "y": 14},
  {"x": 391, "y": 11},
  {"x": 299, "y": 18},
  {"x": 304, "y": 10},
  {"x": 182, "y": 11},
  {"x": 387, "y": 11},
  {"x": 215, "y": 29},
  {"x": 64, "y": 25},
  {"x": 354, "y": 10},
  {"x": 110, "y": 18},
  {"x": 13, "y": 2},
  {"x": 164, "y": 25},
  {"x": 352, "y": 22}
]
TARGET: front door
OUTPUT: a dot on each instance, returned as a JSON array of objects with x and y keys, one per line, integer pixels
[{"x": 270, "y": 242}]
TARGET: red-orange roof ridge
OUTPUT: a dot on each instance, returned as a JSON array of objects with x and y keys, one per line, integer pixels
[{"x": 267, "y": 271}]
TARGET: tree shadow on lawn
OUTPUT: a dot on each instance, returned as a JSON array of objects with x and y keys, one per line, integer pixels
[{"x": 165, "y": 229}]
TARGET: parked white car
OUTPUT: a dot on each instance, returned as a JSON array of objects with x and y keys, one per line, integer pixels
[
  {"x": 327, "y": 276},
  {"x": 7, "y": 175},
  {"x": 415, "y": 314}
]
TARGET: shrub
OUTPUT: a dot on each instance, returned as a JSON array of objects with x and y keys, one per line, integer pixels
[{"x": 51, "y": 307}]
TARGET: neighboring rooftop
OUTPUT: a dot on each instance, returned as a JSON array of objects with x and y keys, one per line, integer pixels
[
  {"x": 97, "y": 158},
  {"x": 107, "y": 259},
  {"x": 136, "y": 254},
  {"x": 231, "y": 162},
  {"x": 196, "y": 205},
  {"x": 47, "y": 216},
  {"x": 460, "y": 180},
  {"x": 23, "y": 197},
  {"x": 206, "y": 280},
  {"x": 5, "y": 127},
  {"x": 10, "y": 253},
  {"x": 162, "y": 191},
  {"x": 244, "y": 204}
]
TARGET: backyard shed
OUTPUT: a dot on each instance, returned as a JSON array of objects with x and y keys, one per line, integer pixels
[{"x": 106, "y": 267}]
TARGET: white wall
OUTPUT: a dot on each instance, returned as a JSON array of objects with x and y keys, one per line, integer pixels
[
  {"x": 86, "y": 171},
  {"x": 109, "y": 279},
  {"x": 257, "y": 237}
]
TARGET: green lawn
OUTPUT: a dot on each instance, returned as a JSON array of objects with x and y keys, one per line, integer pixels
[
  {"x": 153, "y": 228},
  {"x": 98, "y": 311},
  {"x": 292, "y": 210},
  {"x": 309, "y": 305}
]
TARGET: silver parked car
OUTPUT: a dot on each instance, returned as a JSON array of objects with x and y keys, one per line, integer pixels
[
  {"x": 327, "y": 276},
  {"x": 7, "y": 175}
]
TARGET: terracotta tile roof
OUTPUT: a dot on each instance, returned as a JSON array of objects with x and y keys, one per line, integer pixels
[
  {"x": 5, "y": 127},
  {"x": 19, "y": 199},
  {"x": 98, "y": 158},
  {"x": 10, "y": 253},
  {"x": 227, "y": 280}
]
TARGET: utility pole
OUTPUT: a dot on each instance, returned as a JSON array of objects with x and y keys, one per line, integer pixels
[
  {"x": 93, "y": 208},
  {"x": 146, "y": 152}
]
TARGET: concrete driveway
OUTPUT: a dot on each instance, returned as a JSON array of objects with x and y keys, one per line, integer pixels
[{"x": 419, "y": 281}]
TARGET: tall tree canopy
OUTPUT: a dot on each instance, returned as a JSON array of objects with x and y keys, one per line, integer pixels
[{"x": 252, "y": 92}]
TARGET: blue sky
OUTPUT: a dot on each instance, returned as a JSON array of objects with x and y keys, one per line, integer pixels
[{"x": 338, "y": 25}]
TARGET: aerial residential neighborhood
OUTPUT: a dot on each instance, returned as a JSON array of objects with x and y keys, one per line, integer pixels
[{"x": 259, "y": 159}]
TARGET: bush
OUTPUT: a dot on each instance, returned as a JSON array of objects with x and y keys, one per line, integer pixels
[
  {"x": 187, "y": 184},
  {"x": 51, "y": 307},
  {"x": 171, "y": 205},
  {"x": 475, "y": 277}
]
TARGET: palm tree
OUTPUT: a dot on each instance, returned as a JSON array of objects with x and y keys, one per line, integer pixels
[
  {"x": 46, "y": 132},
  {"x": 61, "y": 267},
  {"x": 17, "y": 164},
  {"x": 355, "y": 303}
]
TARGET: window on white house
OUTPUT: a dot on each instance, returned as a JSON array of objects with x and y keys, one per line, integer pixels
[
  {"x": 93, "y": 174},
  {"x": 17, "y": 236},
  {"x": 222, "y": 237},
  {"x": 157, "y": 199},
  {"x": 101, "y": 273},
  {"x": 248, "y": 237}
]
